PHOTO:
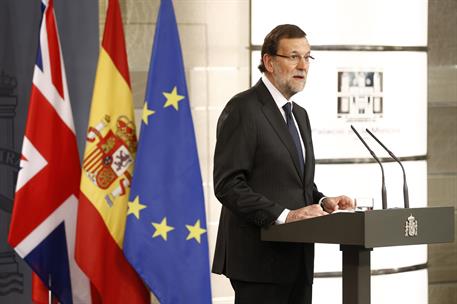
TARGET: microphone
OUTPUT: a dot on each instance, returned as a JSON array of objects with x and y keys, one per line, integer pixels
[
  {"x": 405, "y": 185},
  {"x": 383, "y": 187}
]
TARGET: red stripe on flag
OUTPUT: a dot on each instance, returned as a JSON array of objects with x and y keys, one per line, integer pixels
[
  {"x": 57, "y": 180},
  {"x": 54, "y": 50},
  {"x": 103, "y": 261},
  {"x": 113, "y": 39}
]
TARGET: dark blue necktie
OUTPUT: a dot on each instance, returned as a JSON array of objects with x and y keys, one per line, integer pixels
[{"x": 294, "y": 133}]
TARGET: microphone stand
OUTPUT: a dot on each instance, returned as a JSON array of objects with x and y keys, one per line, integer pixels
[
  {"x": 383, "y": 187},
  {"x": 405, "y": 185}
]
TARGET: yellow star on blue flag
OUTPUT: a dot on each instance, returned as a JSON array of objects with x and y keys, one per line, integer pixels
[
  {"x": 195, "y": 231},
  {"x": 146, "y": 113},
  {"x": 162, "y": 229},
  {"x": 171, "y": 231},
  {"x": 172, "y": 98},
  {"x": 135, "y": 207}
]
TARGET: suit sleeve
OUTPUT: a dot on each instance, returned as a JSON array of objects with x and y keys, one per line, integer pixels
[
  {"x": 233, "y": 161},
  {"x": 317, "y": 195}
]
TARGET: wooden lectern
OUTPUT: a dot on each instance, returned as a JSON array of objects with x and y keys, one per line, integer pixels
[{"x": 359, "y": 232}]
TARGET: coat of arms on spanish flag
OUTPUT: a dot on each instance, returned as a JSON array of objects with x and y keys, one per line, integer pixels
[
  {"x": 110, "y": 158},
  {"x": 107, "y": 174}
]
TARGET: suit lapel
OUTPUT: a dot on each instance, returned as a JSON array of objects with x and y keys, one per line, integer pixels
[
  {"x": 271, "y": 112},
  {"x": 303, "y": 125}
]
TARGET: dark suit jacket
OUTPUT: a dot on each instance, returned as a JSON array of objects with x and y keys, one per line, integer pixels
[{"x": 256, "y": 176}]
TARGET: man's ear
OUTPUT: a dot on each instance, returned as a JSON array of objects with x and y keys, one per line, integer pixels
[{"x": 267, "y": 62}]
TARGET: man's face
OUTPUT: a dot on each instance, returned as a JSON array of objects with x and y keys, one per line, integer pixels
[{"x": 288, "y": 74}]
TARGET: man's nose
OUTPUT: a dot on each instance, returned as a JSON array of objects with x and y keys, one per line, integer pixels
[{"x": 302, "y": 64}]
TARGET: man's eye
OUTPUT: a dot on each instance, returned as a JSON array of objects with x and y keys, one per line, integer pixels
[{"x": 294, "y": 57}]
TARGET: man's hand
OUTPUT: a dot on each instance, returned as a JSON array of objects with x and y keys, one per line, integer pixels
[
  {"x": 305, "y": 213},
  {"x": 341, "y": 202}
]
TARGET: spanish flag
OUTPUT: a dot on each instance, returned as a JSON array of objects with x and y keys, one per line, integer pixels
[{"x": 107, "y": 173}]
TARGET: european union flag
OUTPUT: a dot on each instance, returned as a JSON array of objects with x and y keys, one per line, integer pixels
[{"x": 166, "y": 237}]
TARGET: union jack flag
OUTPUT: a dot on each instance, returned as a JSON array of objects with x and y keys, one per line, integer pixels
[{"x": 43, "y": 222}]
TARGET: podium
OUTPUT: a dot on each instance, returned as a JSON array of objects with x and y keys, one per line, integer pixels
[{"x": 358, "y": 233}]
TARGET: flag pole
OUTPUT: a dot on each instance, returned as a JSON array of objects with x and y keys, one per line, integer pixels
[{"x": 49, "y": 290}]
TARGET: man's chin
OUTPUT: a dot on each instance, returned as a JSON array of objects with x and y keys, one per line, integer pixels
[{"x": 298, "y": 88}]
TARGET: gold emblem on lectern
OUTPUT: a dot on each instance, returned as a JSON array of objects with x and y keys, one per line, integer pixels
[{"x": 411, "y": 226}]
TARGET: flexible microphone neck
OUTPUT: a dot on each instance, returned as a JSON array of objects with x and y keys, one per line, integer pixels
[
  {"x": 405, "y": 185},
  {"x": 383, "y": 186}
]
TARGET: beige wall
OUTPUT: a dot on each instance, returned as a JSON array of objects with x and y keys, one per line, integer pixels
[
  {"x": 215, "y": 41},
  {"x": 442, "y": 141}
]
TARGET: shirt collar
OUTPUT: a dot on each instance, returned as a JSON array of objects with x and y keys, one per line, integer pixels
[{"x": 279, "y": 99}]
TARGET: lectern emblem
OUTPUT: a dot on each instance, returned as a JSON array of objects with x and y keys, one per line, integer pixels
[{"x": 411, "y": 226}]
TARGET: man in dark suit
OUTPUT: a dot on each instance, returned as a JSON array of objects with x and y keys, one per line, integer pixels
[{"x": 264, "y": 175}]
